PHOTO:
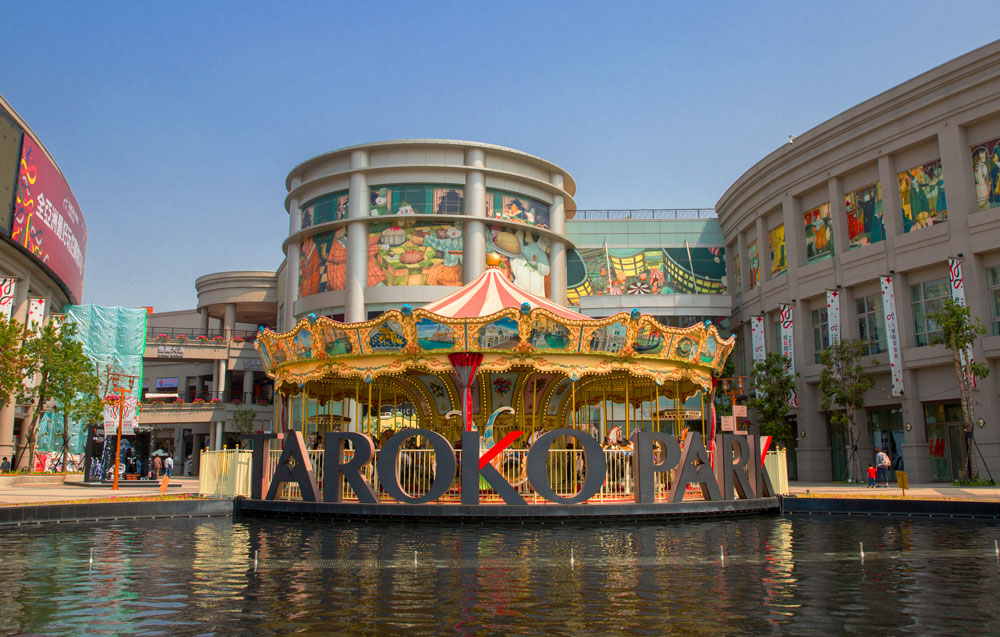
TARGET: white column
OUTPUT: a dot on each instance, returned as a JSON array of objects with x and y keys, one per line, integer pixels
[
  {"x": 292, "y": 258},
  {"x": 204, "y": 319},
  {"x": 248, "y": 387},
  {"x": 357, "y": 241},
  {"x": 229, "y": 322},
  {"x": 474, "y": 232},
  {"x": 557, "y": 256}
]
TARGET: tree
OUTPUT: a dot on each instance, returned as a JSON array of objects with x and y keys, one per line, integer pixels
[
  {"x": 243, "y": 418},
  {"x": 842, "y": 387},
  {"x": 65, "y": 373},
  {"x": 959, "y": 332},
  {"x": 773, "y": 385},
  {"x": 16, "y": 363}
]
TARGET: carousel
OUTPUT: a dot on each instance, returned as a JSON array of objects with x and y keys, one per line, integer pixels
[{"x": 495, "y": 359}]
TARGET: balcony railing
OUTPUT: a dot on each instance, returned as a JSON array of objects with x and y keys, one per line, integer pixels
[
  {"x": 646, "y": 214},
  {"x": 196, "y": 335},
  {"x": 203, "y": 398}
]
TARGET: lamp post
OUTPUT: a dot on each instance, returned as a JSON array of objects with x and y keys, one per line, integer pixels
[
  {"x": 732, "y": 387},
  {"x": 117, "y": 380}
]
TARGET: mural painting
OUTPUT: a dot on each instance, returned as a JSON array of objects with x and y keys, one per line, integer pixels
[
  {"x": 434, "y": 335},
  {"x": 649, "y": 340},
  {"x": 549, "y": 334},
  {"x": 387, "y": 337},
  {"x": 986, "y": 171},
  {"x": 335, "y": 341},
  {"x": 414, "y": 253},
  {"x": 507, "y": 206},
  {"x": 819, "y": 233},
  {"x": 416, "y": 199},
  {"x": 323, "y": 262},
  {"x": 754, "y": 258},
  {"x": 500, "y": 334},
  {"x": 501, "y": 390},
  {"x": 922, "y": 196},
  {"x": 525, "y": 257},
  {"x": 687, "y": 270},
  {"x": 687, "y": 347},
  {"x": 329, "y": 208},
  {"x": 739, "y": 274},
  {"x": 609, "y": 338},
  {"x": 778, "y": 263},
  {"x": 439, "y": 393},
  {"x": 864, "y": 215},
  {"x": 301, "y": 346}
]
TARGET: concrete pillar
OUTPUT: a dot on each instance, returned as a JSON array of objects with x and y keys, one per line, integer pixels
[
  {"x": 357, "y": 241},
  {"x": 204, "y": 319},
  {"x": 229, "y": 321},
  {"x": 292, "y": 262},
  {"x": 220, "y": 378},
  {"x": 474, "y": 232},
  {"x": 220, "y": 428},
  {"x": 248, "y": 387},
  {"x": 838, "y": 218},
  {"x": 557, "y": 256},
  {"x": 19, "y": 313},
  {"x": 741, "y": 257},
  {"x": 763, "y": 254}
]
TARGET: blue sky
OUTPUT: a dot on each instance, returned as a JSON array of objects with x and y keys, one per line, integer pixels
[{"x": 177, "y": 122}]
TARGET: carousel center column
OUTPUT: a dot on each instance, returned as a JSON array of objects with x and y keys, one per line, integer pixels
[
  {"x": 557, "y": 255},
  {"x": 357, "y": 241},
  {"x": 292, "y": 260},
  {"x": 474, "y": 235}
]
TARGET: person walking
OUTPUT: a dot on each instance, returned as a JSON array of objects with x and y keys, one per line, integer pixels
[
  {"x": 168, "y": 465},
  {"x": 882, "y": 464},
  {"x": 157, "y": 467},
  {"x": 5, "y": 465}
]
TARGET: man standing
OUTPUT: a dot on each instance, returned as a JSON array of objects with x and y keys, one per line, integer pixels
[
  {"x": 157, "y": 465},
  {"x": 882, "y": 464},
  {"x": 168, "y": 465},
  {"x": 5, "y": 465}
]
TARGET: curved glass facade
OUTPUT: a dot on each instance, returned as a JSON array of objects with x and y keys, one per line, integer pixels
[
  {"x": 416, "y": 199},
  {"x": 508, "y": 206}
]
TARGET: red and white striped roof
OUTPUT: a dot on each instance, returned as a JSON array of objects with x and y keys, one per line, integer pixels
[{"x": 491, "y": 292}]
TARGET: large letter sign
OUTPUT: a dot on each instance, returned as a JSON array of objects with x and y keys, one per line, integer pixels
[
  {"x": 597, "y": 466},
  {"x": 474, "y": 467},
  {"x": 364, "y": 452},
  {"x": 695, "y": 467},
  {"x": 727, "y": 468},
  {"x": 644, "y": 465},
  {"x": 294, "y": 466},
  {"x": 444, "y": 474}
]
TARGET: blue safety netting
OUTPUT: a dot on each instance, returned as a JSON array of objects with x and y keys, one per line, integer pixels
[{"x": 114, "y": 338}]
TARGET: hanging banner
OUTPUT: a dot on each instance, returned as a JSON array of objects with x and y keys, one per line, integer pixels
[
  {"x": 129, "y": 417},
  {"x": 6, "y": 298},
  {"x": 788, "y": 348},
  {"x": 833, "y": 316},
  {"x": 36, "y": 313},
  {"x": 957, "y": 280},
  {"x": 757, "y": 338},
  {"x": 892, "y": 335}
]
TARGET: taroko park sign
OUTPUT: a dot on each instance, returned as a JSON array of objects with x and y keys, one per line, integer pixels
[{"x": 737, "y": 472}]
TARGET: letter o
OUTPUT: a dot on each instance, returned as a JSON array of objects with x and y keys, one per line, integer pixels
[
  {"x": 444, "y": 471},
  {"x": 538, "y": 475}
]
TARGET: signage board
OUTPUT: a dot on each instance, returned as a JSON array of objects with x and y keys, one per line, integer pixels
[
  {"x": 130, "y": 417},
  {"x": 729, "y": 423},
  {"x": 47, "y": 220},
  {"x": 169, "y": 351},
  {"x": 166, "y": 383},
  {"x": 740, "y": 411}
]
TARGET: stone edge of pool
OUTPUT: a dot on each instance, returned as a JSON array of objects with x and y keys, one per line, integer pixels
[
  {"x": 22, "y": 515},
  {"x": 895, "y": 507}
]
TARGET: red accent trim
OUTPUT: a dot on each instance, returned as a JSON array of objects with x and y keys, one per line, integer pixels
[{"x": 495, "y": 450}]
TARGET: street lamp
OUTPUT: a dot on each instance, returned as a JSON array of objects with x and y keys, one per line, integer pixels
[{"x": 117, "y": 380}]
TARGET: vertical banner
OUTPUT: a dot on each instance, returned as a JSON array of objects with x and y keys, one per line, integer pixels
[
  {"x": 788, "y": 348},
  {"x": 833, "y": 316},
  {"x": 892, "y": 335},
  {"x": 757, "y": 338},
  {"x": 957, "y": 280},
  {"x": 6, "y": 298},
  {"x": 36, "y": 313},
  {"x": 129, "y": 418}
]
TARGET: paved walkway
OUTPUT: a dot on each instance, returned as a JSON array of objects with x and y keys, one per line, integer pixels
[
  {"x": 929, "y": 491},
  {"x": 47, "y": 493}
]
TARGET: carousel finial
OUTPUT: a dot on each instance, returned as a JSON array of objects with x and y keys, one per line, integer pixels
[{"x": 493, "y": 260}]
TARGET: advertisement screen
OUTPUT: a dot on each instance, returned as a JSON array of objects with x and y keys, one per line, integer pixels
[
  {"x": 47, "y": 219},
  {"x": 10, "y": 144}
]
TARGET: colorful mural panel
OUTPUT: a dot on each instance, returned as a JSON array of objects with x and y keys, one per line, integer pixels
[
  {"x": 439, "y": 393},
  {"x": 819, "y": 233},
  {"x": 525, "y": 257},
  {"x": 508, "y": 206},
  {"x": 777, "y": 239},
  {"x": 433, "y": 335},
  {"x": 502, "y": 390},
  {"x": 301, "y": 346},
  {"x": 610, "y": 338},
  {"x": 922, "y": 196},
  {"x": 739, "y": 273},
  {"x": 335, "y": 341},
  {"x": 414, "y": 253},
  {"x": 986, "y": 172},
  {"x": 864, "y": 215},
  {"x": 416, "y": 199},
  {"x": 387, "y": 337},
  {"x": 549, "y": 334},
  {"x": 323, "y": 262},
  {"x": 687, "y": 270},
  {"x": 754, "y": 259},
  {"x": 500, "y": 334},
  {"x": 649, "y": 340},
  {"x": 332, "y": 207}
]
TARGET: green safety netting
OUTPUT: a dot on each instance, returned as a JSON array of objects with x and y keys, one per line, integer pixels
[{"x": 115, "y": 339}]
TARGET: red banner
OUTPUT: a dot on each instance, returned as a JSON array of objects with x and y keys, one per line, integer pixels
[{"x": 47, "y": 218}]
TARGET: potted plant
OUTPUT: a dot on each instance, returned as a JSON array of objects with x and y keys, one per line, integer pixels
[
  {"x": 178, "y": 401},
  {"x": 202, "y": 337},
  {"x": 238, "y": 339},
  {"x": 218, "y": 338},
  {"x": 215, "y": 401},
  {"x": 236, "y": 401},
  {"x": 182, "y": 337},
  {"x": 198, "y": 401},
  {"x": 162, "y": 337}
]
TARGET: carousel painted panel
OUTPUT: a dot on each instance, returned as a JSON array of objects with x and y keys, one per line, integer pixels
[
  {"x": 609, "y": 339},
  {"x": 444, "y": 397},
  {"x": 651, "y": 340},
  {"x": 433, "y": 335},
  {"x": 334, "y": 340},
  {"x": 501, "y": 390},
  {"x": 499, "y": 334},
  {"x": 385, "y": 337},
  {"x": 550, "y": 334}
]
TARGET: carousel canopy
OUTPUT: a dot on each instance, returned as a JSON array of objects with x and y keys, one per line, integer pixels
[{"x": 489, "y": 293}]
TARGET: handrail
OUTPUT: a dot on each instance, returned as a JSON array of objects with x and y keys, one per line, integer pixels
[{"x": 647, "y": 214}]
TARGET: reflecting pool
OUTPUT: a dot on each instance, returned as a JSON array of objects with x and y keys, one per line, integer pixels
[{"x": 741, "y": 576}]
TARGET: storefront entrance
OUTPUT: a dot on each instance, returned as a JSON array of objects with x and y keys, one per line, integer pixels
[
  {"x": 945, "y": 440},
  {"x": 886, "y": 427}
]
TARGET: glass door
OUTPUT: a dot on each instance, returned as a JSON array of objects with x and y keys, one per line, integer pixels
[
  {"x": 945, "y": 440},
  {"x": 886, "y": 427},
  {"x": 839, "y": 447}
]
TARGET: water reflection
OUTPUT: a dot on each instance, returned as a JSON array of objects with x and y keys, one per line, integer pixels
[{"x": 783, "y": 576}]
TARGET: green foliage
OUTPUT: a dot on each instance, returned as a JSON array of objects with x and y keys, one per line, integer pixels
[
  {"x": 243, "y": 419},
  {"x": 773, "y": 384},
  {"x": 17, "y": 365},
  {"x": 842, "y": 387},
  {"x": 975, "y": 483}
]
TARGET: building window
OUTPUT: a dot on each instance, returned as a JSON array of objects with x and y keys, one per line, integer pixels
[
  {"x": 821, "y": 332},
  {"x": 871, "y": 323},
  {"x": 993, "y": 282},
  {"x": 926, "y": 299}
]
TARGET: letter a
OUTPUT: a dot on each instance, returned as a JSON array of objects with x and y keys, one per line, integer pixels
[
  {"x": 294, "y": 466},
  {"x": 695, "y": 467}
]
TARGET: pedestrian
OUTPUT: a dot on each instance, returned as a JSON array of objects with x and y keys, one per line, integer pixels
[
  {"x": 5, "y": 465},
  {"x": 157, "y": 466},
  {"x": 882, "y": 464},
  {"x": 168, "y": 465},
  {"x": 871, "y": 476}
]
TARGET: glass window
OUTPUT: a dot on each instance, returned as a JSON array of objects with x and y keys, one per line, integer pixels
[
  {"x": 926, "y": 299},
  {"x": 821, "y": 334},
  {"x": 993, "y": 282},
  {"x": 871, "y": 324}
]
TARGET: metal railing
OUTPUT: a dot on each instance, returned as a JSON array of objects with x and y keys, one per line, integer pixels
[
  {"x": 172, "y": 398},
  {"x": 646, "y": 214},
  {"x": 195, "y": 334}
]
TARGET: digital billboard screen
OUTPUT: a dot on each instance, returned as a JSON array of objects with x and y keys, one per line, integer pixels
[
  {"x": 47, "y": 219},
  {"x": 10, "y": 145}
]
